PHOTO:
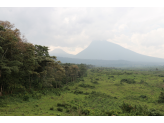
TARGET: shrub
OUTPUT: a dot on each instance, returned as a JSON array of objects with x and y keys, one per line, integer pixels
[
  {"x": 60, "y": 109},
  {"x": 143, "y": 96},
  {"x": 129, "y": 81},
  {"x": 26, "y": 98},
  {"x": 67, "y": 88},
  {"x": 95, "y": 82},
  {"x": 74, "y": 107},
  {"x": 44, "y": 92},
  {"x": 126, "y": 107},
  {"x": 58, "y": 93},
  {"x": 115, "y": 97},
  {"x": 154, "y": 112},
  {"x": 78, "y": 92},
  {"x": 36, "y": 96},
  {"x": 85, "y": 111},
  {"x": 3, "y": 103},
  {"x": 63, "y": 105},
  {"x": 110, "y": 77},
  {"x": 161, "y": 75},
  {"x": 52, "y": 108},
  {"x": 31, "y": 91},
  {"x": 58, "y": 114},
  {"x": 161, "y": 98},
  {"x": 20, "y": 90},
  {"x": 86, "y": 86},
  {"x": 67, "y": 111},
  {"x": 109, "y": 113},
  {"x": 86, "y": 93}
]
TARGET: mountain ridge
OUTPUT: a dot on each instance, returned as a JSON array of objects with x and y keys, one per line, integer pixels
[{"x": 104, "y": 50}]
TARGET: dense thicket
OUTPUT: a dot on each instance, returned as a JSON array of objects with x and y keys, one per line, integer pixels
[{"x": 24, "y": 66}]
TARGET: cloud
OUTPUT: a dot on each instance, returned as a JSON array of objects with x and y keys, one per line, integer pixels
[{"x": 73, "y": 29}]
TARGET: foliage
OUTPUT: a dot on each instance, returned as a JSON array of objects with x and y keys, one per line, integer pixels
[
  {"x": 86, "y": 86},
  {"x": 60, "y": 109},
  {"x": 161, "y": 98},
  {"x": 129, "y": 81}
]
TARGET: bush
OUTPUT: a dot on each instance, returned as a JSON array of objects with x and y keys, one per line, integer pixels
[
  {"x": 74, "y": 107},
  {"x": 161, "y": 98},
  {"x": 139, "y": 110},
  {"x": 153, "y": 112},
  {"x": 26, "y": 98},
  {"x": 19, "y": 90},
  {"x": 129, "y": 81},
  {"x": 95, "y": 82},
  {"x": 67, "y": 111},
  {"x": 31, "y": 91},
  {"x": 110, "y": 113},
  {"x": 52, "y": 108},
  {"x": 86, "y": 93},
  {"x": 161, "y": 75},
  {"x": 3, "y": 103},
  {"x": 86, "y": 86},
  {"x": 143, "y": 96},
  {"x": 44, "y": 92},
  {"x": 36, "y": 96},
  {"x": 58, "y": 93},
  {"x": 60, "y": 109},
  {"x": 78, "y": 92},
  {"x": 63, "y": 105},
  {"x": 126, "y": 108},
  {"x": 110, "y": 77},
  {"x": 85, "y": 111},
  {"x": 67, "y": 88}
]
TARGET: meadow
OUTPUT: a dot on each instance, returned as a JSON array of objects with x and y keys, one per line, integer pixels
[{"x": 102, "y": 92}]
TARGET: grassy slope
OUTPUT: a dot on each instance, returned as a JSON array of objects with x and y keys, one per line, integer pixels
[{"x": 97, "y": 104}]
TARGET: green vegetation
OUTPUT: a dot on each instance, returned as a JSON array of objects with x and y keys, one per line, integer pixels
[
  {"x": 84, "y": 98},
  {"x": 32, "y": 83}
]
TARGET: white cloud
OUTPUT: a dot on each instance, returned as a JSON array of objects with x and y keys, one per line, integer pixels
[{"x": 73, "y": 29}]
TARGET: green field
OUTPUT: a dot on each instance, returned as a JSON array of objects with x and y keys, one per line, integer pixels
[{"x": 103, "y": 92}]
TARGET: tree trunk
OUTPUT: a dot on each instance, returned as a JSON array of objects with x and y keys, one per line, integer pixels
[
  {"x": 66, "y": 80},
  {"x": 1, "y": 91},
  {"x": 29, "y": 82}
]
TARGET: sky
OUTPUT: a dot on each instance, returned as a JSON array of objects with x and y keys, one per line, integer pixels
[{"x": 72, "y": 29}]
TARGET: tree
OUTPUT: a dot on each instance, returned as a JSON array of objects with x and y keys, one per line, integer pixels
[
  {"x": 24, "y": 65},
  {"x": 66, "y": 67},
  {"x": 8, "y": 52},
  {"x": 75, "y": 70},
  {"x": 83, "y": 69}
]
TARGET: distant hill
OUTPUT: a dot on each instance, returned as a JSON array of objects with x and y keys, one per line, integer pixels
[
  {"x": 104, "y": 50},
  {"x": 107, "y": 54},
  {"x": 108, "y": 63},
  {"x": 60, "y": 53}
]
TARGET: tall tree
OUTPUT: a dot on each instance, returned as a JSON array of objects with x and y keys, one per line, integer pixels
[{"x": 9, "y": 62}]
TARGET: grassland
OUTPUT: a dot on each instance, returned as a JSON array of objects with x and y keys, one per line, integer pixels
[{"x": 103, "y": 92}]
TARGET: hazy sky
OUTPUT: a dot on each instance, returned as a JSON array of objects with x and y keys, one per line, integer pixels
[{"x": 73, "y": 29}]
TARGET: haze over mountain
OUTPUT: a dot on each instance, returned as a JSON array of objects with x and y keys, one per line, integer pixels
[
  {"x": 61, "y": 53},
  {"x": 104, "y": 50}
]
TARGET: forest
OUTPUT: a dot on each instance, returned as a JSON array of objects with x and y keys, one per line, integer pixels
[
  {"x": 33, "y": 83},
  {"x": 24, "y": 66}
]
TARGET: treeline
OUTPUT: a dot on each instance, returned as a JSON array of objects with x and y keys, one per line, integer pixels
[{"x": 27, "y": 66}]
